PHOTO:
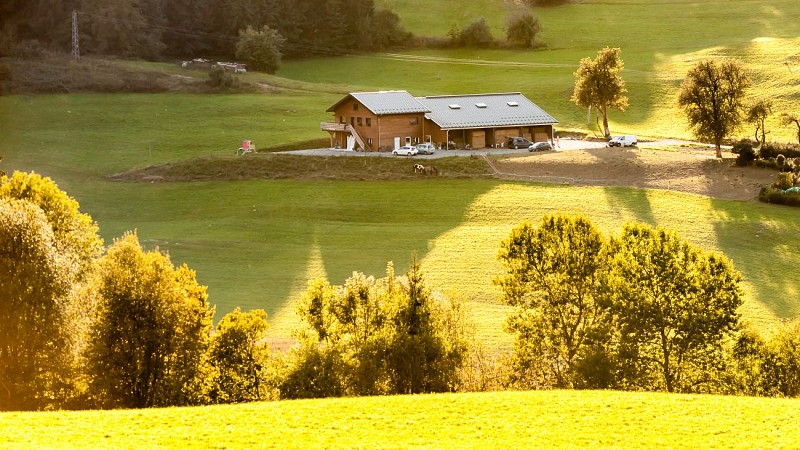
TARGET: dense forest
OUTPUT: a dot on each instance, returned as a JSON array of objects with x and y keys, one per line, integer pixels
[{"x": 156, "y": 29}]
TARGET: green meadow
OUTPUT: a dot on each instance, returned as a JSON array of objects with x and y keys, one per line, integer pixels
[
  {"x": 256, "y": 243},
  {"x": 539, "y": 419},
  {"x": 660, "y": 41}
]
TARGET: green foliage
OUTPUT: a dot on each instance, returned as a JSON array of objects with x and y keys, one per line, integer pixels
[
  {"x": 788, "y": 120},
  {"x": 745, "y": 153},
  {"x": 772, "y": 150},
  {"x": 555, "y": 280},
  {"x": 75, "y": 234},
  {"x": 712, "y": 96},
  {"x": 475, "y": 35},
  {"x": 240, "y": 356},
  {"x": 151, "y": 333},
  {"x": 34, "y": 283},
  {"x": 522, "y": 29},
  {"x": 48, "y": 247},
  {"x": 782, "y": 365},
  {"x": 599, "y": 85},
  {"x": 757, "y": 114},
  {"x": 369, "y": 336},
  {"x": 122, "y": 27},
  {"x": 748, "y": 356},
  {"x": 387, "y": 32},
  {"x": 261, "y": 49},
  {"x": 772, "y": 194},
  {"x": 675, "y": 305},
  {"x": 219, "y": 78}
]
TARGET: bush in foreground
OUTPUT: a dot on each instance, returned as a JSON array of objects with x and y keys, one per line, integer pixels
[{"x": 376, "y": 336}]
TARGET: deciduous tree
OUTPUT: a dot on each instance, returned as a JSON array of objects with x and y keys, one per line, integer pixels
[
  {"x": 261, "y": 49},
  {"x": 34, "y": 283},
  {"x": 522, "y": 29},
  {"x": 791, "y": 119},
  {"x": 757, "y": 115},
  {"x": 152, "y": 330},
  {"x": 375, "y": 336},
  {"x": 554, "y": 279},
  {"x": 46, "y": 250},
  {"x": 675, "y": 305},
  {"x": 599, "y": 84},
  {"x": 240, "y": 355},
  {"x": 712, "y": 96}
]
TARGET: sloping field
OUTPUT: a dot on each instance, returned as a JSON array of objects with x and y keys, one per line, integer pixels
[
  {"x": 660, "y": 41},
  {"x": 543, "y": 419},
  {"x": 256, "y": 243}
]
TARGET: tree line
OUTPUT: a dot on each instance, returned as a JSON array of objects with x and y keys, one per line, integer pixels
[
  {"x": 193, "y": 28},
  {"x": 88, "y": 326}
]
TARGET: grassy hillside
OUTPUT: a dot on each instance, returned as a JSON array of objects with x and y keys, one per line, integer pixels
[
  {"x": 660, "y": 41},
  {"x": 544, "y": 419},
  {"x": 256, "y": 243}
]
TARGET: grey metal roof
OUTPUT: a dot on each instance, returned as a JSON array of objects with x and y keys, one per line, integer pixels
[
  {"x": 386, "y": 102},
  {"x": 484, "y": 111}
]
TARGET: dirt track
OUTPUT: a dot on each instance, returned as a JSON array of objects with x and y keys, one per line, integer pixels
[{"x": 693, "y": 170}]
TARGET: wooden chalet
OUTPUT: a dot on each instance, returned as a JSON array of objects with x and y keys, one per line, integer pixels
[{"x": 388, "y": 119}]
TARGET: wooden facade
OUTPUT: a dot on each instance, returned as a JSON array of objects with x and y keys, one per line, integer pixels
[{"x": 378, "y": 132}]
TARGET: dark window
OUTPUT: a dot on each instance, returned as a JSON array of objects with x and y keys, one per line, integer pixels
[
  {"x": 369, "y": 122},
  {"x": 341, "y": 119},
  {"x": 414, "y": 121},
  {"x": 359, "y": 121},
  {"x": 352, "y": 121},
  {"x": 355, "y": 106}
]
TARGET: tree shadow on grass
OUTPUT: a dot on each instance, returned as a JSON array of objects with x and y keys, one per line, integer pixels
[
  {"x": 627, "y": 201},
  {"x": 763, "y": 241}
]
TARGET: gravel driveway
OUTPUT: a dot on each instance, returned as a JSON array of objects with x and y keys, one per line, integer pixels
[{"x": 565, "y": 144}]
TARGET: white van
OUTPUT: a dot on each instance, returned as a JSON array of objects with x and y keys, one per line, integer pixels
[{"x": 623, "y": 141}]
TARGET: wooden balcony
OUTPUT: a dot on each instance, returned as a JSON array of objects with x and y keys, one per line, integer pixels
[{"x": 332, "y": 126}]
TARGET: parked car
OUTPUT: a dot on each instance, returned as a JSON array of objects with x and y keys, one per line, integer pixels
[
  {"x": 406, "y": 150},
  {"x": 540, "y": 146},
  {"x": 518, "y": 142},
  {"x": 426, "y": 148},
  {"x": 623, "y": 141}
]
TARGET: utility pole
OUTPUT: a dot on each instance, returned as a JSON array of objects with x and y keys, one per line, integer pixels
[{"x": 76, "y": 50}]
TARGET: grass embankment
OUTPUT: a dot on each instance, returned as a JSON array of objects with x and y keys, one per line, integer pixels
[
  {"x": 543, "y": 419},
  {"x": 283, "y": 166}
]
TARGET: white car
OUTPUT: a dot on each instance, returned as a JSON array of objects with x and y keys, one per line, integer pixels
[
  {"x": 426, "y": 148},
  {"x": 406, "y": 150},
  {"x": 623, "y": 141}
]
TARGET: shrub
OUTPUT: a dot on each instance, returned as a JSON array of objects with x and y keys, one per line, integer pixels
[
  {"x": 746, "y": 153},
  {"x": 218, "y": 77},
  {"x": 477, "y": 34},
  {"x": 772, "y": 194},
  {"x": 784, "y": 180},
  {"x": 772, "y": 150},
  {"x": 522, "y": 29}
]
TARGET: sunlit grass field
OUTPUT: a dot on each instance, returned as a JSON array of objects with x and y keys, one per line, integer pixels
[
  {"x": 660, "y": 41},
  {"x": 256, "y": 243},
  {"x": 543, "y": 419}
]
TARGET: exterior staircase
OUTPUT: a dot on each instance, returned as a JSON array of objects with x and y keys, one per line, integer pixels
[{"x": 344, "y": 127}]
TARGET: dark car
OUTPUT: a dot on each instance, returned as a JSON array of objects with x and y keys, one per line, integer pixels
[
  {"x": 540, "y": 146},
  {"x": 518, "y": 142}
]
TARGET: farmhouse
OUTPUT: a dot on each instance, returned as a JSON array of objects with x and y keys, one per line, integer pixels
[{"x": 388, "y": 119}]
